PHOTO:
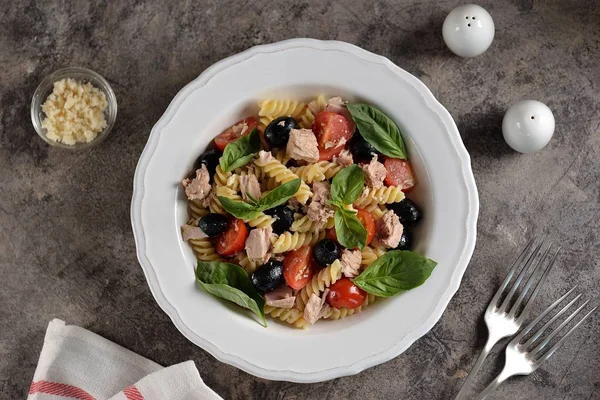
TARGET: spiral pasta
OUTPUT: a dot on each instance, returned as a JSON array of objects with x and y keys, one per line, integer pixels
[
  {"x": 288, "y": 241},
  {"x": 197, "y": 210},
  {"x": 369, "y": 255},
  {"x": 306, "y": 119},
  {"x": 304, "y": 224},
  {"x": 372, "y": 197},
  {"x": 223, "y": 191},
  {"x": 339, "y": 313},
  {"x": 282, "y": 174},
  {"x": 221, "y": 176},
  {"x": 281, "y": 156},
  {"x": 204, "y": 250},
  {"x": 262, "y": 221},
  {"x": 319, "y": 282},
  {"x": 318, "y": 171},
  {"x": 292, "y": 316},
  {"x": 274, "y": 108}
]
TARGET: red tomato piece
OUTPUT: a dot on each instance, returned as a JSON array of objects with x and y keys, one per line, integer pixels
[
  {"x": 331, "y": 129},
  {"x": 367, "y": 220},
  {"x": 298, "y": 267},
  {"x": 399, "y": 173},
  {"x": 345, "y": 294},
  {"x": 330, "y": 234},
  {"x": 234, "y": 132},
  {"x": 233, "y": 239}
]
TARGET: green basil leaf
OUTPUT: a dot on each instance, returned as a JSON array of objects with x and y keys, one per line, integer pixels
[
  {"x": 230, "y": 282},
  {"x": 395, "y": 272},
  {"x": 378, "y": 129},
  {"x": 279, "y": 195},
  {"x": 239, "y": 209},
  {"x": 350, "y": 232},
  {"x": 347, "y": 185},
  {"x": 239, "y": 153}
]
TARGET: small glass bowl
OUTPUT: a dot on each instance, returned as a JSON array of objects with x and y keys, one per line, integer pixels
[{"x": 81, "y": 75}]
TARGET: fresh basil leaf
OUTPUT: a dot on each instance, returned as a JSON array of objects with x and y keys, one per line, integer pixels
[
  {"x": 279, "y": 195},
  {"x": 230, "y": 282},
  {"x": 239, "y": 153},
  {"x": 378, "y": 129},
  {"x": 252, "y": 199},
  {"x": 350, "y": 232},
  {"x": 347, "y": 185},
  {"x": 395, "y": 272},
  {"x": 239, "y": 209}
]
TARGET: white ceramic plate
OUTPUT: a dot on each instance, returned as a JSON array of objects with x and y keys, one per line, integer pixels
[{"x": 229, "y": 91}]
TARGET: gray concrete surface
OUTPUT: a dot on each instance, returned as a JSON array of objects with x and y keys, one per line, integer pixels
[{"x": 66, "y": 247}]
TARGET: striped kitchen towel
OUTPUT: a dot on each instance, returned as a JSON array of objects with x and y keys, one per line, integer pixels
[{"x": 78, "y": 364}]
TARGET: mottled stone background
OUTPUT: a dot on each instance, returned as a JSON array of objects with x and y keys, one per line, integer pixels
[{"x": 66, "y": 247}]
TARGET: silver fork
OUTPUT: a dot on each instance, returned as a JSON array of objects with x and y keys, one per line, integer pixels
[
  {"x": 523, "y": 358},
  {"x": 501, "y": 318}
]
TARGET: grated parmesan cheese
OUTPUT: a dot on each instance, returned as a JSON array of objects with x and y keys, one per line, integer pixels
[{"x": 74, "y": 112}]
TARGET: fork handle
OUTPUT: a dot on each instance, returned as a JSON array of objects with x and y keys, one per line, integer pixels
[
  {"x": 494, "y": 384},
  {"x": 491, "y": 341}
]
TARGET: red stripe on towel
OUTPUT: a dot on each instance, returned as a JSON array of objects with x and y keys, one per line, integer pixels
[
  {"x": 132, "y": 393},
  {"x": 59, "y": 389}
]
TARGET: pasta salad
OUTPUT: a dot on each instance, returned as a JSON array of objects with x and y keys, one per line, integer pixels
[{"x": 299, "y": 213}]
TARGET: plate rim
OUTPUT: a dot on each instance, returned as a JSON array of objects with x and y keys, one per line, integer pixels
[{"x": 367, "y": 362}]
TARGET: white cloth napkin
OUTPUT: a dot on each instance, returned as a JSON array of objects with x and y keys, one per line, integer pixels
[{"x": 78, "y": 364}]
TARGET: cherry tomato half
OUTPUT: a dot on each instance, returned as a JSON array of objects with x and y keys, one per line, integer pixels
[
  {"x": 233, "y": 239},
  {"x": 330, "y": 128},
  {"x": 367, "y": 220},
  {"x": 234, "y": 132},
  {"x": 298, "y": 267},
  {"x": 345, "y": 294},
  {"x": 399, "y": 173}
]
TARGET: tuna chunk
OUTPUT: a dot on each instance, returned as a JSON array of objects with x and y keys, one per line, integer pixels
[
  {"x": 282, "y": 297},
  {"x": 374, "y": 173},
  {"x": 199, "y": 187},
  {"x": 336, "y": 105},
  {"x": 264, "y": 156},
  {"x": 249, "y": 187},
  {"x": 344, "y": 159},
  {"x": 302, "y": 145},
  {"x": 258, "y": 244},
  {"x": 389, "y": 230},
  {"x": 189, "y": 231},
  {"x": 314, "y": 307},
  {"x": 350, "y": 261},
  {"x": 319, "y": 209}
]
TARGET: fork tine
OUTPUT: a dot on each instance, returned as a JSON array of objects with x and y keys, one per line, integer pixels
[
  {"x": 524, "y": 270},
  {"x": 541, "y": 331},
  {"x": 538, "y": 286},
  {"x": 533, "y": 323},
  {"x": 510, "y": 273},
  {"x": 555, "y": 332},
  {"x": 562, "y": 339}
]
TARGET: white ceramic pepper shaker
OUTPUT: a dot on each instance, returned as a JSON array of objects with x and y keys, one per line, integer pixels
[
  {"x": 468, "y": 30},
  {"x": 528, "y": 126}
]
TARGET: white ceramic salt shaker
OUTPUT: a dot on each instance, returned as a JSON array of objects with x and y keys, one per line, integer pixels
[
  {"x": 468, "y": 30},
  {"x": 528, "y": 126}
]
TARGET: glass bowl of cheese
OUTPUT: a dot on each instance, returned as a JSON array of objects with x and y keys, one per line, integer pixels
[{"x": 73, "y": 108}]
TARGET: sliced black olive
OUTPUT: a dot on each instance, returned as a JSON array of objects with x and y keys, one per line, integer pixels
[
  {"x": 361, "y": 149},
  {"x": 326, "y": 251},
  {"x": 406, "y": 241},
  {"x": 284, "y": 218},
  {"x": 407, "y": 211},
  {"x": 211, "y": 160},
  {"x": 268, "y": 276},
  {"x": 213, "y": 224},
  {"x": 277, "y": 132}
]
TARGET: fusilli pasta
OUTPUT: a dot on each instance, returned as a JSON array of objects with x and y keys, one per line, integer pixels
[
  {"x": 339, "y": 313},
  {"x": 288, "y": 241},
  {"x": 372, "y": 197},
  {"x": 282, "y": 174},
  {"x": 292, "y": 316},
  {"x": 304, "y": 224},
  {"x": 274, "y": 108},
  {"x": 319, "y": 282},
  {"x": 204, "y": 250}
]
